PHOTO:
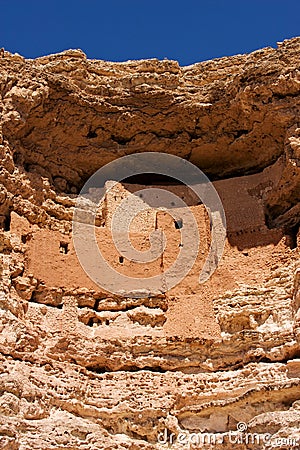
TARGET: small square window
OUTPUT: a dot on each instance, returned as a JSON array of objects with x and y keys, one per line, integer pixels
[{"x": 64, "y": 247}]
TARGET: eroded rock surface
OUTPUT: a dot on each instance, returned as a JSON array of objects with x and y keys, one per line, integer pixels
[{"x": 85, "y": 369}]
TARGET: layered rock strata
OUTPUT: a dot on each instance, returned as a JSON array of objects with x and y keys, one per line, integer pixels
[{"x": 82, "y": 368}]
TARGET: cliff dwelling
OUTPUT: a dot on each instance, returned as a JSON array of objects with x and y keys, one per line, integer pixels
[{"x": 117, "y": 368}]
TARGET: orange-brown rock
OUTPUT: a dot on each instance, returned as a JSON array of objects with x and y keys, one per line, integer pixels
[{"x": 82, "y": 368}]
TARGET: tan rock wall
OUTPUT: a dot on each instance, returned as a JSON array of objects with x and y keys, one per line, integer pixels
[{"x": 87, "y": 369}]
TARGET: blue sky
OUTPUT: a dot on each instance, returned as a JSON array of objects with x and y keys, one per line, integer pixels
[{"x": 118, "y": 30}]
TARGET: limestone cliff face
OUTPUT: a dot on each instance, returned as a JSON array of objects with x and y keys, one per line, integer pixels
[{"x": 85, "y": 369}]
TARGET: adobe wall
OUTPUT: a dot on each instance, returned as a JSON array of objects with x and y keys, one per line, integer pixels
[{"x": 52, "y": 261}]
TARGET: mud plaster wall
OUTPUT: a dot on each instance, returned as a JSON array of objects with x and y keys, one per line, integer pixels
[
  {"x": 52, "y": 262},
  {"x": 241, "y": 198}
]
